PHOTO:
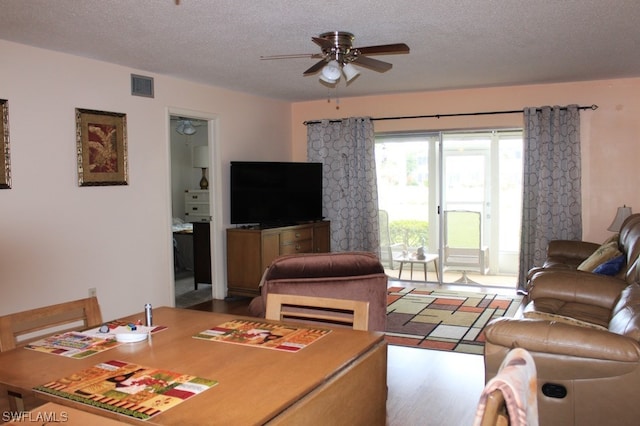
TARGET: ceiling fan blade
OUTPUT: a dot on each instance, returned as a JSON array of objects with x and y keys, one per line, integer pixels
[
  {"x": 373, "y": 64},
  {"x": 384, "y": 49},
  {"x": 292, "y": 56},
  {"x": 315, "y": 68}
]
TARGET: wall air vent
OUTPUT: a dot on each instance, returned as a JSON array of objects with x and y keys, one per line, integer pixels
[{"x": 141, "y": 86}]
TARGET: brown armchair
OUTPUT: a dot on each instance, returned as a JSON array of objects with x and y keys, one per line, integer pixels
[{"x": 348, "y": 275}]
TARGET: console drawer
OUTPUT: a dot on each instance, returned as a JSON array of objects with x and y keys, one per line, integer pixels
[
  {"x": 288, "y": 237},
  {"x": 304, "y": 246},
  {"x": 196, "y": 196},
  {"x": 196, "y": 209}
]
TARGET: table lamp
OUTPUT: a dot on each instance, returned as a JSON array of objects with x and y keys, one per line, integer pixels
[
  {"x": 622, "y": 213},
  {"x": 200, "y": 160}
]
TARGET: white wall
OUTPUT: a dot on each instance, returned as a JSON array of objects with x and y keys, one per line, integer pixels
[{"x": 57, "y": 239}]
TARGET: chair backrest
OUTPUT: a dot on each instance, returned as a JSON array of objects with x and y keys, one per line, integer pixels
[
  {"x": 318, "y": 309},
  {"x": 385, "y": 235},
  {"x": 462, "y": 229},
  {"x": 495, "y": 413},
  {"x": 510, "y": 398},
  {"x": 39, "y": 322}
]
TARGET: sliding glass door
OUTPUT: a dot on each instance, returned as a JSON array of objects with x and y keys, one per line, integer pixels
[
  {"x": 407, "y": 197},
  {"x": 450, "y": 205}
]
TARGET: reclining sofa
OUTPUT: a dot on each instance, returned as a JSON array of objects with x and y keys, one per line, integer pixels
[
  {"x": 347, "y": 275},
  {"x": 572, "y": 255},
  {"x": 583, "y": 331}
]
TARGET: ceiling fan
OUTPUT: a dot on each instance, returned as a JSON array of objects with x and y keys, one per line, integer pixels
[
  {"x": 338, "y": 56},
  {"x": 187, "y": 126}
]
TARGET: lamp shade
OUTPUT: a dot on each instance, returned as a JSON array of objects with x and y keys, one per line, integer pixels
[
  {"x": 622, "y": 213},
  {"x": 331, "y": 71},
  {"x": 200, "y": 156},
  {"x": 350, "y": 72}
]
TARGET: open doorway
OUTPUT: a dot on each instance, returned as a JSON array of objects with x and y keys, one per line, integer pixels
[{"x": 192, "y": 183}]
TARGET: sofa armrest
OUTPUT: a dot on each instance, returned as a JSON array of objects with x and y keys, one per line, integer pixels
[
  {"x": 571, "y": 249},
  {"x": 557, "y": 338},
  {"x": 577, "y": 286}
]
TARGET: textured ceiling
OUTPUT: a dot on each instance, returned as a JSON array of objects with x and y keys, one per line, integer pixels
[{"x": 454, "y": 43}]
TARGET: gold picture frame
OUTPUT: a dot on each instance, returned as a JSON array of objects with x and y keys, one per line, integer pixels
[
  {"x": 5, "y": 158},
  {"x": 101, "y": 144}
]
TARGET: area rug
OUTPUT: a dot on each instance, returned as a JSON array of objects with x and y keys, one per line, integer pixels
[{"x": 446, "y": 320}]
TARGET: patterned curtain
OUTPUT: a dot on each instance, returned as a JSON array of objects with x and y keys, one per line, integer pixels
[
  {"x": 346, "y": 150},
  {"x": 552, "y": 205}
]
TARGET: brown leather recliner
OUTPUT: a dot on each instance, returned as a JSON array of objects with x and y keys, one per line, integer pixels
[
  {"x": 583, "y": 331},
  {"x": 346, "y": 275}
]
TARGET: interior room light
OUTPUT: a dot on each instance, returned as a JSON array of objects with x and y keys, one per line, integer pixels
[
  {"x": 185, "y": 127},
  {"x": 331, "y": 72},
  {"x": 326, "y": 80},
  {"x": 350, "y": 72},
  {"x": 200, "y": 160}
]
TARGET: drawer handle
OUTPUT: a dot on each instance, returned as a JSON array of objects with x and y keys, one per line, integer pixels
[
  {"x": 297, "y": 247},
  {"x": 297, "y": 235},
  {"x": 194, "y": 208}
]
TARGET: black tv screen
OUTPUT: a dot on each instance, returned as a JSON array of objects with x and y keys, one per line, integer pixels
[{"x": 275, "y": 193}]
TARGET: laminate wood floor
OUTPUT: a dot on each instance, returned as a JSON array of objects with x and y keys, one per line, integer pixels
[{"x": 432, "y": 387}]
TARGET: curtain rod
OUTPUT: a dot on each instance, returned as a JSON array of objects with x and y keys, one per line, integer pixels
[{"x": 461, "y": 114}]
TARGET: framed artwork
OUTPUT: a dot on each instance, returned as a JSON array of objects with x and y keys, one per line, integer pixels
[
  {"x": 101, "y": 144},
  {"x": 5, "y": 163}
]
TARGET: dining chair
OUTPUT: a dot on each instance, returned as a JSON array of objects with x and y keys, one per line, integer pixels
[
  {"x": 463, "y": 246},
  {"x": 20, "y": 328},
  {"x": 495, "y": 413},
  {"x": 387, "y": 248},
  {"x": 510, "y": 398},
  {"x": 354, "y": 313}
]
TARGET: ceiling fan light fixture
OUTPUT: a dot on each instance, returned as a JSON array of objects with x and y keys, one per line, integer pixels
[
  {"x": 331, "y": 72},
  {"x": 350, "y": 72},
  {"x": 338, "y": 54},
  {"x": 185, "y": 128},
  {"x": 326, "y": 80}
]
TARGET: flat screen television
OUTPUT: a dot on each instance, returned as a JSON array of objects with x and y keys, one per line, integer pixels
[{"x": 275, "y": 193}]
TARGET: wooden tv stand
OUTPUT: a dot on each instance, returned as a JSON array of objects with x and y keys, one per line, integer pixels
[{"x": 251, "y": 250}]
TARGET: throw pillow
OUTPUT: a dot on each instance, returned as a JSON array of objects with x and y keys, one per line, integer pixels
[
  {"x": 611, "y": 266},
  {"x": 602, "y": 254}
]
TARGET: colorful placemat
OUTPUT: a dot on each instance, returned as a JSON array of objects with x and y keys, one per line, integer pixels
[
  {"x": 129, "y": 389},
  {"x": 263, "y": 335},
  {"x": 82, "y": 344},
  {"x": 447, "y": 320}
]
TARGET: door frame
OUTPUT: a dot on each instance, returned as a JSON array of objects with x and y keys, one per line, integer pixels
[{"x": 216, "y": 228}]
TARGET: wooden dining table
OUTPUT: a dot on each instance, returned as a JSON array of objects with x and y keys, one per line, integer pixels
[{"x": 340, "y": 378}]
